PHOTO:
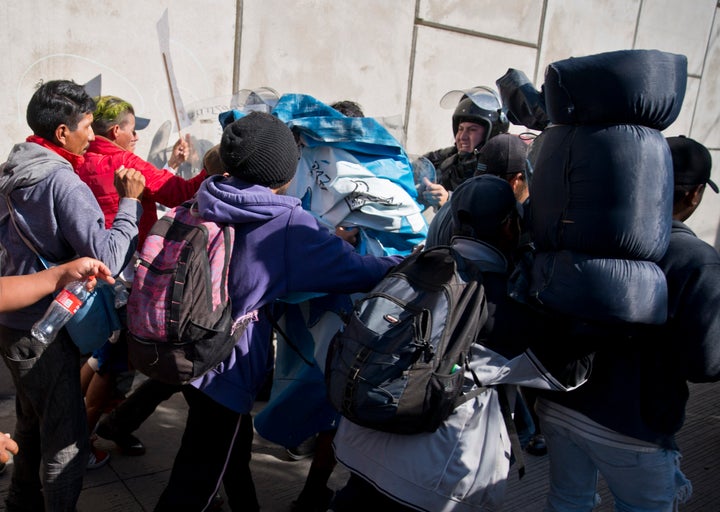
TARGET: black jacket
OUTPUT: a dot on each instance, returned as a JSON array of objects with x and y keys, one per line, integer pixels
[{"x": 639, "y": 382}]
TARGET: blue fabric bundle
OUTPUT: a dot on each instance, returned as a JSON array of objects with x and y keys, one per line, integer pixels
[{"x": 353, "y": 173}]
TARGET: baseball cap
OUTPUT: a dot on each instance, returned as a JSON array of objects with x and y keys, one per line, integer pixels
[
  {"x": 502, "y": 155},
  {"x": 141, "y": 122},
  {"x": 692, "y": 162},
  {"x": 482, "y": 204}
]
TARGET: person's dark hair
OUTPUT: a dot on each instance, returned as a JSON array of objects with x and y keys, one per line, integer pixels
[
  {"x": 680, "y": 192},
  {"x": 57, "y": 102},
  {"x": 348, "y": 108}
]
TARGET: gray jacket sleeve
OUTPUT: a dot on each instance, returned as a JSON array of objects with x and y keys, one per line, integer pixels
[
  {"x": 74, "y": 224},
  {"x": 82, "y": 224}
]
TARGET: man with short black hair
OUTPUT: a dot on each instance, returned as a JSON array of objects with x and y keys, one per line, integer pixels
[{"x": 57, "y": 213}]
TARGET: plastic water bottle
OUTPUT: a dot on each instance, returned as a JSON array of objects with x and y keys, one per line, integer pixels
[{"x": 61, "y": 309}]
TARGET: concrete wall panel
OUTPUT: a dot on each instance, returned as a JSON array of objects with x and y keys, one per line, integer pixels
[
  {"x": 574, "y": 28},
  {"x": 330, "y": 50},
  {"x": 518, "y": 20},
  {"x": 445, "y": 61},
  {"x": 706, "y": 123},
  {"x": 80, "y": 40},
  {"x": 683, "y": 123},
  {"x": 678, "y": 27},
  {"x": 375, "y": 52}
]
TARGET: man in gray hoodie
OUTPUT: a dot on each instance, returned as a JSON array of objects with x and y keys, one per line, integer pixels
[{"x": 45, "y": 201}]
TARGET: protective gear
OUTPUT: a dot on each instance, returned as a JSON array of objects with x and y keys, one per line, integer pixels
[{"x": 483, "y": 108}]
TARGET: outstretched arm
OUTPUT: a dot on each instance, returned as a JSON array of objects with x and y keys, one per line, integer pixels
[{"x": 19, "y": 291}]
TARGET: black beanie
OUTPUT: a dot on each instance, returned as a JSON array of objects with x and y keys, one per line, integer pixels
[{"x": 259, "y": 148}]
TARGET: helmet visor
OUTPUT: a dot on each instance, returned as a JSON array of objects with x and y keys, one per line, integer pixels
[{"x": 484, "y": 97}]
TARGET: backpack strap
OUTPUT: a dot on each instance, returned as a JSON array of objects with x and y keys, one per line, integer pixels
[
  {"x": 502, "y": 390},
  {"x": 478, "y": 390},
  {"x": 11, "y": 211},
  {"x": 281, "y": 332}
]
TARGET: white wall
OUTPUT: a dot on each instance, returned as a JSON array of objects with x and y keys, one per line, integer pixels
[{"x": 396, "y": 58}]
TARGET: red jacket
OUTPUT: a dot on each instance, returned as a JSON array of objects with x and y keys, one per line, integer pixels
[{"x": 103, "y": 157}]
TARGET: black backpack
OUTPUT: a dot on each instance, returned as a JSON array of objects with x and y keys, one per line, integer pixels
[{"x": 398, "y": 364}]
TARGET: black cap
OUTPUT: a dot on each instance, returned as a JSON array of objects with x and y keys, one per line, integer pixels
[
  {"x": 692, "y": 162},
  {"x": 481, "y": 205},
  {"x": 502, "y": 155}
]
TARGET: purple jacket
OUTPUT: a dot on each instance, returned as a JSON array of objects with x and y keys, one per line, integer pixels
[{"x": 280, "y": 250}]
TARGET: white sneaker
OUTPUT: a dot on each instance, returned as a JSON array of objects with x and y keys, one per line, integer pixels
[{"x": 98, "y": 458}]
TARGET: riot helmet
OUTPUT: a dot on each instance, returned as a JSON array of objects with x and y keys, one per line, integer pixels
[{"x": 480, "y": 105}]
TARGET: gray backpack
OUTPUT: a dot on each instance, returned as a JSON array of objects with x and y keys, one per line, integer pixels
[{"x": 398, "y": 364}]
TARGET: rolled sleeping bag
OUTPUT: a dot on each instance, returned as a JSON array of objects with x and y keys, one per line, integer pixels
[
  {"x": 645, "y": 87},
  {"x": 604, "y": 190},
  {"x": 599, "y": 289},
  {"x": 525, "y": 104}
]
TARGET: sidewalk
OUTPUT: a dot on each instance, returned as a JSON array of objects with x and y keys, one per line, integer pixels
[{"x": 131, "y": 484}]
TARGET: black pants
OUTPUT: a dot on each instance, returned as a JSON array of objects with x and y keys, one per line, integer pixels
[
  {"x": 138, "y": 406},
  {"x": 216, "y": 448},
  {"x": 358, "y": 495}
]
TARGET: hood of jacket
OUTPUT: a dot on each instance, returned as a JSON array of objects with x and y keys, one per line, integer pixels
[
  {"x": 27, "y": 164},
  {"x": 231, "y": 200}
]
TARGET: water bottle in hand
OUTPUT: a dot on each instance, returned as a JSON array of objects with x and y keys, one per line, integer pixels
[{"x": 61, "y": 309}]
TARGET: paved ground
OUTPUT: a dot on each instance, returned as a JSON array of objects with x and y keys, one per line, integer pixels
[{"x": 134, "y": 483}]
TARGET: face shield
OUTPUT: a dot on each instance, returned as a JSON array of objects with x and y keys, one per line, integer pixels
[
  {"x": 262, "y": 99},
  {"x": 484, "y": 97}
]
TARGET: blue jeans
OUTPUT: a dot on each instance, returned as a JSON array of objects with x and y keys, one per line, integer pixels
[
  {"x": 639, "y": 481},
  {"x": 51, "y": 427}
]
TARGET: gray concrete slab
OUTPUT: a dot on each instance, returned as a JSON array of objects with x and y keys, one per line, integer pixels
[{"x": 131, "y": 484}]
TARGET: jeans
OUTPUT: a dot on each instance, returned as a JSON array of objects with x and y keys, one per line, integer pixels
[
  {"x": 639, "y": 481},
  {"x": 215, "y": 449},
  {"x": 51, "y": 424}
]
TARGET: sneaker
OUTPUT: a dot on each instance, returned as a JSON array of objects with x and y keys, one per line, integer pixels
[
  {"x": 127, "y": 443},
  {"x": 537, "y": 445},
  {"x": 98, "y": 458},
  {"x": 303, "y": 450}
]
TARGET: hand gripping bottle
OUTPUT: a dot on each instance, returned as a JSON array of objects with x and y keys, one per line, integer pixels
[{"x": 61, "y": 309}]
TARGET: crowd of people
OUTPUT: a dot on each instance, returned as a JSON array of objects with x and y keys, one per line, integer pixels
[{"x": 76, "y": 190}]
